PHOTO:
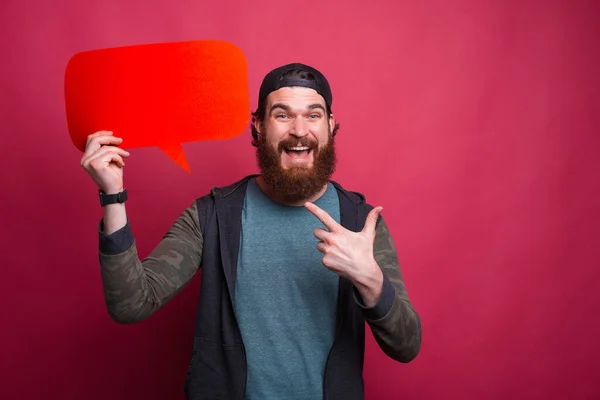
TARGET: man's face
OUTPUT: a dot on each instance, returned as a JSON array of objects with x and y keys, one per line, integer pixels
[{"x": 296, "y": 151}]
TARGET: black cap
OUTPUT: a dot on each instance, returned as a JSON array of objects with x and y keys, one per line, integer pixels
[{"x": 275, "y": 80}]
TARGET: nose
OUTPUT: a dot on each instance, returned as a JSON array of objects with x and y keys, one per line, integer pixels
[{"x": 299, "y": 128}]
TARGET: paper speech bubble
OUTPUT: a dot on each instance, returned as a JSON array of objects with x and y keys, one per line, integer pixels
[{"x": 160, "y": 95}]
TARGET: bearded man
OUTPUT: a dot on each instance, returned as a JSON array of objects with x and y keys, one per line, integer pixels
[{"x": 293, "y": 264}]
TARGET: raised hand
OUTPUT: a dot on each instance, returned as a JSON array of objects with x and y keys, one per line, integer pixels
[
  {"x": 348, "y": 254},
  {"x": 103, "y": 161}
]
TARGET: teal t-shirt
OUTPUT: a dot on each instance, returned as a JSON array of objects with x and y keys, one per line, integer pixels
[{"x": 285, "y": 298}]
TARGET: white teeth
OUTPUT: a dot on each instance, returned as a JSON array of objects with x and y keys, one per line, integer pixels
[{"x": 298, "y": 148}]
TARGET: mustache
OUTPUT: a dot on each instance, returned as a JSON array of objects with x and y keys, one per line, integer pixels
[{"x": 302, "y": 142}]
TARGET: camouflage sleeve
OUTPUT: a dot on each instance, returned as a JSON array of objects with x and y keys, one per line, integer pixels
[
  {"x": 395, "y": 324},
  {"x": 134, "y": 289}
]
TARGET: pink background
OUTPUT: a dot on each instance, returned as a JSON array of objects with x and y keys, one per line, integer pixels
[{"x": 474, "y": 123}]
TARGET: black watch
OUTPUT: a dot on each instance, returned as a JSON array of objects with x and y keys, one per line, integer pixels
[{"x": 112, "y": 198}]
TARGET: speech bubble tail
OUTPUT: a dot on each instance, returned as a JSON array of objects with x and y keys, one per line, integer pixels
[{"x": 175, "y": 153}]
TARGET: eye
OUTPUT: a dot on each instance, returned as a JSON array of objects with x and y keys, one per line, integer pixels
[
  {"x": 281, "y": 116},
  {"x": 314, "y": 116}
]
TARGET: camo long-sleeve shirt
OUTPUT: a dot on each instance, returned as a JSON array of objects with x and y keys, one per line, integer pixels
[{"x": 135, "y": 288}]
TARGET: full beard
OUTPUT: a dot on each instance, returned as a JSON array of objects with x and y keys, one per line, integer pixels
[{"x": 296, "y": 183}]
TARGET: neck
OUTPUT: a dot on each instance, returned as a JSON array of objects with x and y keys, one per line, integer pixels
[{"x": 278, "y": 198}]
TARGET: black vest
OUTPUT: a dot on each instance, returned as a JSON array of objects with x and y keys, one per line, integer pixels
[{"x": 217, "y": 368}]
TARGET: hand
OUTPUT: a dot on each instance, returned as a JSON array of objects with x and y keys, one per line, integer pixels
[
  {"x": 104, "y": 161},
  {"x": 348, "y": 254}
]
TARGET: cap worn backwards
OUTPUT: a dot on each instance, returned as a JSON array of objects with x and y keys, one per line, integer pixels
[{"x": 276, "y": 79}]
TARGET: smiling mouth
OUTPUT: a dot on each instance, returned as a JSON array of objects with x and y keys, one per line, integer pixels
[{"x": 298, "y": 152}]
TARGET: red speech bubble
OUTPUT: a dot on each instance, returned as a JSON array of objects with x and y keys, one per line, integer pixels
[{"x": 158, "y": 94}]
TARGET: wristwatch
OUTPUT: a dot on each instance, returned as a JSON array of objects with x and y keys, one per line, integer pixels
[{"x": 112, "y": 198}]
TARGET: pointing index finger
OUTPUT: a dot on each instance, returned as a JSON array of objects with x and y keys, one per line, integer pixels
[{"x": 325, "y": 218}]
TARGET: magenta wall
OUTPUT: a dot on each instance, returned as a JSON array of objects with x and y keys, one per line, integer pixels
[{"x": 474, "y": 123}]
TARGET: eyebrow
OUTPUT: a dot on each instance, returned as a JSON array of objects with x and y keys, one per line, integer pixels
[
  {"x": 287, "y": 108},
  {"x": 316, "y": 105}
]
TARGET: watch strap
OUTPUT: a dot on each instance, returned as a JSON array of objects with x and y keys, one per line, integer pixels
[{"x": 105, "y": 199}]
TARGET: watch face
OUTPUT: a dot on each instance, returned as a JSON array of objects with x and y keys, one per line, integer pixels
[{"x": 122, "y": 196}]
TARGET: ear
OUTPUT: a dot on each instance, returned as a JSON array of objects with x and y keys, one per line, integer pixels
[
  {"x": 331, "y": 122},
  {"x": 258, "y": 125}
]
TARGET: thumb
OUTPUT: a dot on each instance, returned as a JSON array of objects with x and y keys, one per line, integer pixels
[{"x": 371, "y": 222}]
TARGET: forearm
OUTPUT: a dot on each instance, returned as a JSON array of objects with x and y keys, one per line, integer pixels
[
  {"x": 114, "y": 218},
  {"x": 134, "y": 289},
  {"x": 395, "y": 324},
  {"x": 128, "y": 293},
  {"x": 370, "y": 285},
  {"x": 398, "y": 332}
]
